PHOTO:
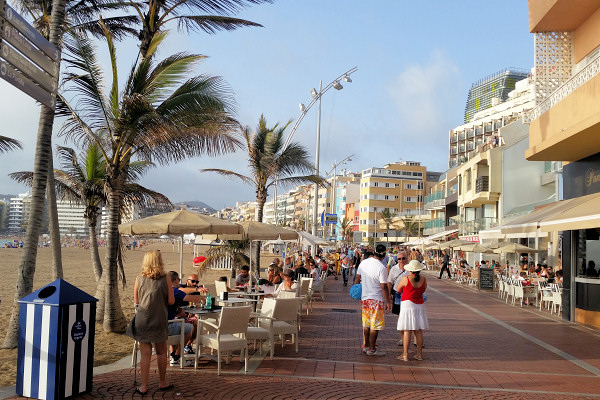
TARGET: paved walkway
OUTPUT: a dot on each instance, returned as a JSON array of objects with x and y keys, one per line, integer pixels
[{"x": 477, "y": 347}]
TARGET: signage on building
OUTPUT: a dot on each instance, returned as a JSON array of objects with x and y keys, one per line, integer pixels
[
  {"x": 582, "y": 177},
  {"x": 327, "y": 219},
  {"x": 473, "y": 238},
  {"x": 27, "y": 60}
]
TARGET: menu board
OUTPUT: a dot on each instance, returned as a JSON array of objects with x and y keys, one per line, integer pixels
[{"x": 486, "y": 279}]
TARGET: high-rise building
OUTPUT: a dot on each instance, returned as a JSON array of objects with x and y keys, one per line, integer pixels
[
  {"x": 492, "y": 90},
  {"x": 18, "y": 212}
]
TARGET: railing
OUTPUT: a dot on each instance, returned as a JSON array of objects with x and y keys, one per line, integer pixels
[
  {"x": 479, "y": 131},
  {"x": 462, "y": 136},
  {"x": 454, "y": 139},
  {"x": 476, "y": 225},
  {"x": 470, "y": 133},
  {"x": 435, "y": 223},
  {"x": 454, "y": 151},
  {"x": 482, "y": 184},
  {"x": 435, "y": 200},
  {"x": 577, "y": 80},
  {"x": 489, "y": 127}
]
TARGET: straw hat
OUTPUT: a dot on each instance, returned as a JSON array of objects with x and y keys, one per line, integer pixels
[{"x": 414, "y": 266}]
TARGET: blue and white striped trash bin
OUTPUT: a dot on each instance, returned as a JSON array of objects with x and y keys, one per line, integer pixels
[{"x": 56, "y": 342}]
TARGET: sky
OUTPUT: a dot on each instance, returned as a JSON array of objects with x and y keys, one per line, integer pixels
[{"x": 416, "y": 62}]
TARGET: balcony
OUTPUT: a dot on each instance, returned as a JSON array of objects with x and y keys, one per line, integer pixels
[
  {"x": 482, "y": 184},
  {"x": 489, "y": 128},
  {"x": 470, "y": 134},
  {"x": 454, "y": 151},
  {"x": 479, "y": 131},
  {"x": 470, "y": 146},
  {"x": 473, "y": 227},
  {"x": 454, "y": 139},
  {"x": 435, "y": 201},
  {"x": 462, "y": 136},
  {"x": 566, "y": 124}
]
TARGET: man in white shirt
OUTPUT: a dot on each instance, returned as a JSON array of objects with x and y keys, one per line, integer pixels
[{"x": 375, "y": 298}]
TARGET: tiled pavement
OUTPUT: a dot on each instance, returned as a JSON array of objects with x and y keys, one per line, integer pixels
[{"x": 477, "y": 347}]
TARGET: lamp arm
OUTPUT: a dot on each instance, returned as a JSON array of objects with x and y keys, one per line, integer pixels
[{"x": 313, "y": 101}]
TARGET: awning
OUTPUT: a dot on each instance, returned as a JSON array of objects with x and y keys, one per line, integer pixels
[
  {"x": 496, "y": 233},
  {"x": 572, "y": 214},
  {"x": 441, "y": 234},
  {"x": 583, "y": 213}
]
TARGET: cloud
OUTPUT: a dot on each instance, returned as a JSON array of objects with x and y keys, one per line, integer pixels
[
  {"x": 429, "y": 100},
  {"x": 426, "y": 94}
]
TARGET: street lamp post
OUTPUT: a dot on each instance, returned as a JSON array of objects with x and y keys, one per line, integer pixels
[
  {"x": 316, "y": 96},
  {"x": 334, "y": 169}
]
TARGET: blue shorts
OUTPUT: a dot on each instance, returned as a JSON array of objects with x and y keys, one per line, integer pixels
[{"x": 175, "y": 328}]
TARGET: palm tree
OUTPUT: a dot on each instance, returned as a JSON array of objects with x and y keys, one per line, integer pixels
[
  {"x": 411, "y": 226},
  {"x": 346, "y": 228},
  {"x": 387, "y": 216},
  {"x": 235, "y": 250},
  {"x": 159, "y": 116},
  {"x": 81, "y": 181},
  {"x": 155, "y": 14},
  {"x": 269, "y": 160}
]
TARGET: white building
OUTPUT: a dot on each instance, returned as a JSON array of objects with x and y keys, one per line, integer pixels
[
  {"x": 71, "y": 221},
  {"x": 18, "y": 212}
]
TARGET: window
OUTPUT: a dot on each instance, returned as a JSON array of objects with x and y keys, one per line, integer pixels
[
  {"x": 420, "y": 185},
  {"x": 387, "y": 185}
]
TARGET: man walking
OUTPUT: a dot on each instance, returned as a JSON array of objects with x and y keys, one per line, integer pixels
[
  {"x": 375, "y": 298},
  {"x": 345, "y": 262},
  {"x": 445, "y": 262}
]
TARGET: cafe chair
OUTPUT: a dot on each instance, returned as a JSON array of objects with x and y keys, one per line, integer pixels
[
  {"x": 304, "y": 292},
  {"x": 230, "y": 334},
  {"x": 263, "y": 331},
  {"x": 319, "y": 287},
  {"x": 556, "y": 299},
  {"x": 545, "y": 294},
  {"x": 510, "y": 290},
  {"x": 285, "y": 319},
  {"x": 173, "y": 340},
  {"x": 220, "y": 287}
]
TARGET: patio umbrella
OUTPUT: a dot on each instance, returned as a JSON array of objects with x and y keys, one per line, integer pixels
[
  {"x": 178, "y": 222},
  {"x": 455, "y": 243},
  {"x": 308, "y": 239},
  {"x": 475, "y": 248},
  {"x": 435, "y": 246},
  {"x": 515, "y": 248}
]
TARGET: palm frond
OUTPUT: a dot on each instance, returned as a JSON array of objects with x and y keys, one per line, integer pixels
[
  {"x": 230, "y": 174},
  {"x": 212, "y": 24},
  {"x": 7, "y": 144},
  {"x": 24, "y": 177}
]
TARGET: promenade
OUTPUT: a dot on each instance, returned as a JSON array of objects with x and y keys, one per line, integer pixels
[{"x": 478, "y": 347}]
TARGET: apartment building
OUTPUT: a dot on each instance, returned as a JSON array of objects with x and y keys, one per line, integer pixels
[
  {"x": 564, "y": 127},
  {"x": 399, "y": 187},
  {"x": 18, "y": 212}
]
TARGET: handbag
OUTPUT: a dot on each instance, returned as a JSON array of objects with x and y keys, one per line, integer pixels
[{"x": 356, "y": 291}]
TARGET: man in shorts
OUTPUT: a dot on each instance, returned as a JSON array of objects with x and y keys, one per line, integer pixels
[{"x": 375, "y": 298}]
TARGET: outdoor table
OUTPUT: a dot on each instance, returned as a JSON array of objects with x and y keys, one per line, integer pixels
[{"x": 235, "y": 301}]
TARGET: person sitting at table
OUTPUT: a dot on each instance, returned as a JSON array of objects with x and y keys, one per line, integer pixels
[
  {"x": 288, "y": 284},
  {"x": 288, "y": 263},
  {"x": 477, "y": 264},
  {"x": 243, "y": 277},
  {"x": 558, "y": 277},
  {"x": 301, "y": 269},
  {"x": 315, "y": 273},
  {"x": 174, "y": 311},
  {"x": 192, "y": 285},
  {"x": 273, "y": 276}
]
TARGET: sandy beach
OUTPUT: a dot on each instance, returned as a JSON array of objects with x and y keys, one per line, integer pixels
[{"x": 78, "y": 271}]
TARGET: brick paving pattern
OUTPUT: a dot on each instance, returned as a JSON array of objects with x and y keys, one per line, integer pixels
[{"x": 478, "y": 347}]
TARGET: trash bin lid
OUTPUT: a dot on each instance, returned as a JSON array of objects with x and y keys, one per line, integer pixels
[{"x": 59, "y": 292}]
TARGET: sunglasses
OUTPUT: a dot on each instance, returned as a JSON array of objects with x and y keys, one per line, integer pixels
[
  {"x": 401, "y": 258},
  {"x": 193, "y": 281}
]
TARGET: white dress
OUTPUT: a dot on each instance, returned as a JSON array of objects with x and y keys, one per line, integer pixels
[{"x": 412, "y": 316}]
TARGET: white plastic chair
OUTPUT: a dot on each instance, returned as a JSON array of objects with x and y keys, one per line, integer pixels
[
  {"x": 264, "y": 329},
  {"x": 501, "y": 288},
  {"x": 556, "y": 299},
  {"x": 230, "y": 334},
  {"x": 545, "y": 294},
  {"x": 304, "y": 292},
  {"x": 510, "y": 290},
  {"x": 285, "y": 319}
]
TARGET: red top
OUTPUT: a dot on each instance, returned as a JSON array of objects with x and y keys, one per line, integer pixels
[{"x": 409, "y": 292}]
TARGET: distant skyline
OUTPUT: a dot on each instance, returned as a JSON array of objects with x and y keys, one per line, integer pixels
[{"x": 416, "y": 62}]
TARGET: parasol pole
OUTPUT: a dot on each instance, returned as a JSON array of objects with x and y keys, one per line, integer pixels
[{"x": 181, "y": 259}]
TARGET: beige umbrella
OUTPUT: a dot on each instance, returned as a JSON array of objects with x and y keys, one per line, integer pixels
[
  {"x": 455, "y": 243},
  {"x": 475, "y": 248},
  {"x": 179, "y": 222},
  {"x": 435, "y": 246},
  {"x": 497, "y": 244},
  {"x": 515, "y": 248}
]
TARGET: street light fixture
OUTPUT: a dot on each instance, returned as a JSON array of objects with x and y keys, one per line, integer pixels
[{"x": 316, "y": 96}]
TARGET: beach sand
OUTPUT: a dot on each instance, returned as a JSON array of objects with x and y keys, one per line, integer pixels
[{"x": 77, "y": 270}]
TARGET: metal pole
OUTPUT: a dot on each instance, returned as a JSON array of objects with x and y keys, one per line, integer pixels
[
  {"x": 333, "y": 226},
  {"x": 316, "y": 192}
]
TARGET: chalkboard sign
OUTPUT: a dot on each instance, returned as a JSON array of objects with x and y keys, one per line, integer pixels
[{"x": 486, "y": 279}]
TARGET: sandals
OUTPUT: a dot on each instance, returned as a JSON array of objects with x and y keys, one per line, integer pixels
[
  {"x": 402, "y": 358},
  {"x": 164, "y": 389},
  {"x": 418, "y": 358},
  {"x": 137, "y": 390}
]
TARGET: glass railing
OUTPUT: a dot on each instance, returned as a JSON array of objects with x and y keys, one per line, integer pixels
[
  {"x": 435, "y": 223},
  {"x": 476, "y": 225}
]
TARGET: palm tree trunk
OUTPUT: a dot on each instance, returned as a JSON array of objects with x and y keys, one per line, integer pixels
[
  {"x": 114, "y": 319},
  {"x": 96, "y": 263},
  {"x": 261, "y": 199},
  {"x": 57, "y": 270},
  {"x": 40, "y": 175}
]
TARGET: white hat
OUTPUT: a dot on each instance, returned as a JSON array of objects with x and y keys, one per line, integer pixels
[{"x": 414, "y": 266}]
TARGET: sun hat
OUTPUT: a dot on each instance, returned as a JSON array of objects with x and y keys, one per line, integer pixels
[
  {"x": 199, "y": 259},
  {"x": 414, "y": 266}
]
